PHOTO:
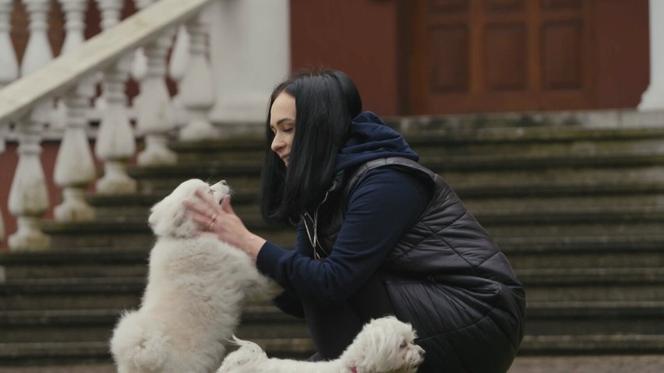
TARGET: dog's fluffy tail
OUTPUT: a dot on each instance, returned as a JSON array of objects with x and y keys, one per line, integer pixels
[{"x": 138, "y": 344}]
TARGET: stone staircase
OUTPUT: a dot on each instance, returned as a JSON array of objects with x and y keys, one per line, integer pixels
[{"x": 579, "y": 212}]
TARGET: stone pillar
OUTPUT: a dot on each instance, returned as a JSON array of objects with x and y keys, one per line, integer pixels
[
  {"x": 653, "y": 98},
  {"x": 250, "y": 54}
]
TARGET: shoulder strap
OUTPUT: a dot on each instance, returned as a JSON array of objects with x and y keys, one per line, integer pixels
[{"x": 399, "y": 162}]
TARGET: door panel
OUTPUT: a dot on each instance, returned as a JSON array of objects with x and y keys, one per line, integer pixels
[{"x": 499, "y": 55}]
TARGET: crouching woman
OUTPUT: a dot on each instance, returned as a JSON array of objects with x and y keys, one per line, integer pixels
[{"x": 377, "y": 234}]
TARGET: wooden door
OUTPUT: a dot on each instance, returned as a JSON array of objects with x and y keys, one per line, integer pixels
[{"x": 498, "y": 55}]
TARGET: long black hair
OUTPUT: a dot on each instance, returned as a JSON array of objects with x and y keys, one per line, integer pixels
[{"x": 325, "y": 103}]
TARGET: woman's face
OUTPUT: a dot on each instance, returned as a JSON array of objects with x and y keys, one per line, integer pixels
[{"x": 282, "y": 124}]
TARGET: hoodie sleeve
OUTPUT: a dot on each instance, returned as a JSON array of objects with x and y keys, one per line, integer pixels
[{"x": 379, "y": 211}]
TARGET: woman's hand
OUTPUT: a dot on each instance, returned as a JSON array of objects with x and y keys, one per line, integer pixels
[{"x": 221, "y": 220}]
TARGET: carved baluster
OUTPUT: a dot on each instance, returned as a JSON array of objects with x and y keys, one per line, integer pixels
[
  {"x": 38, "y": 51},
  {"x": 75, "y": 23},
  {"x": 110, "y": 12},
  {"x": 115, "y": 140},
  {"x": 75, "y": 36},
  {"x": 197, "y": 87},
  {"x": 74, "y": 167},
  {"x": 177, "y": 69},
  {"x": 28, "y": 199},
  {"x": 155, "y": 112},
  {"x": 2, "y": 149},
  {"x": 140, "y": 63},
  {"x": 110, "y": 16},
  {"x": 8, "y": 69},
  {"x": 8, "y": 61}
]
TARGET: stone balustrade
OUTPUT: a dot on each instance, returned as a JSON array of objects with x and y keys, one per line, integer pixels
[{"x": 42, "y": 91}]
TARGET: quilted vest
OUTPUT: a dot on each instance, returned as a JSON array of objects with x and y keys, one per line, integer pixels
[{"x": 445, "y": 276}]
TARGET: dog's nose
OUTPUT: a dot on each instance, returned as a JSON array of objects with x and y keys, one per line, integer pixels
[{"x": 421, "y": 351}]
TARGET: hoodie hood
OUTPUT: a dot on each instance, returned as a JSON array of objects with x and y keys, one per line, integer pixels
[{"x": 370, "y": 139}]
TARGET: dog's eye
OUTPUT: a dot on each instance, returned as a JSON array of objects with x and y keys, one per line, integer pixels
[{"x": 403, "y": 344}]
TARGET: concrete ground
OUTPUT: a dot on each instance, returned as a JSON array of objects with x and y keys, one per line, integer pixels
[
  {"x": 589, "y": 364},
  {"x": 553, "y": 364}
]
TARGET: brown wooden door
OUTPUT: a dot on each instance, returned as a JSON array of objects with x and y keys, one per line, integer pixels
[{"x": 498, "y": 55}]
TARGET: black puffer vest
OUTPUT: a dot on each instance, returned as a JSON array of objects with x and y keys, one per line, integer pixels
[{"x": 448, "y": 279}]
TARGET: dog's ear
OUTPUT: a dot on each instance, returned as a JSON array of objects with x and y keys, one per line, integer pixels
[{"x": 169, "y": 216}]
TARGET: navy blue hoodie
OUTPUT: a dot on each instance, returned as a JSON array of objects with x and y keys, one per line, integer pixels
[{"x": 379, "y": 210}]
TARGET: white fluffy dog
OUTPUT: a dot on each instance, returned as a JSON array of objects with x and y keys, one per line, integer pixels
[
  {"x": 384, "y": 345},
  {"x": 194, "y": 296}
]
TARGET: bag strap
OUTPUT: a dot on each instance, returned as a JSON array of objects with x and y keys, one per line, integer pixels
[{"x": 400, "y": 162}]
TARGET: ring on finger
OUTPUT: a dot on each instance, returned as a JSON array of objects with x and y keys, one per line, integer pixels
[{"x": 213, "y": 220}]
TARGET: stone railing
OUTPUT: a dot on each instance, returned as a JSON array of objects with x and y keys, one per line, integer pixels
[{"x": 65, "y": 89}]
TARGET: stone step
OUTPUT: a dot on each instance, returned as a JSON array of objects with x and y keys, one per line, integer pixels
[
  {"x": 71, "y": 293},
  {"x": 497, "y": 184},
  {"x": 640, "y": 199},
  {"x": 588, "y": 363},
  {"x": 524, "y": 254},
  {"x": 592, "y": 344},
  {"x": 630, "y": 257},
  {"x": 41, "y": 353},
  {"x": 593, "y": 285},
  {"x": 137, "y": 205},
  {"x": 544, "y": 134},
  {"x": 464, "y": 136},
  {"x": 477, "y": 157},
  {"x": 607, "y": 363},
  {"x": 36, "y": 353},
  {"x": 538, "y": 149},
  {"x": 502, "y": 223},
  {"x": 631, "y": 292},
  {"x": 552, "y": 285},
  {"x": 590, "y": 318},
  {"x": 219, "y": 169},
  {"x": 117, "y": 234},
  {"x": 592, "y": 276},
  {"x": 260, "y": 321},
  {"x": 76, "y": 263},
  {"x": 638, "y": 218},
  {"x": 559, "y": 181},
  {"x": 553, "y": 318}
]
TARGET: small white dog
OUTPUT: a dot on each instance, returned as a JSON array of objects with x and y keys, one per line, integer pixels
[
  {"x": 384, "y": 345},
  {"x": 194, "y": 296}
]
